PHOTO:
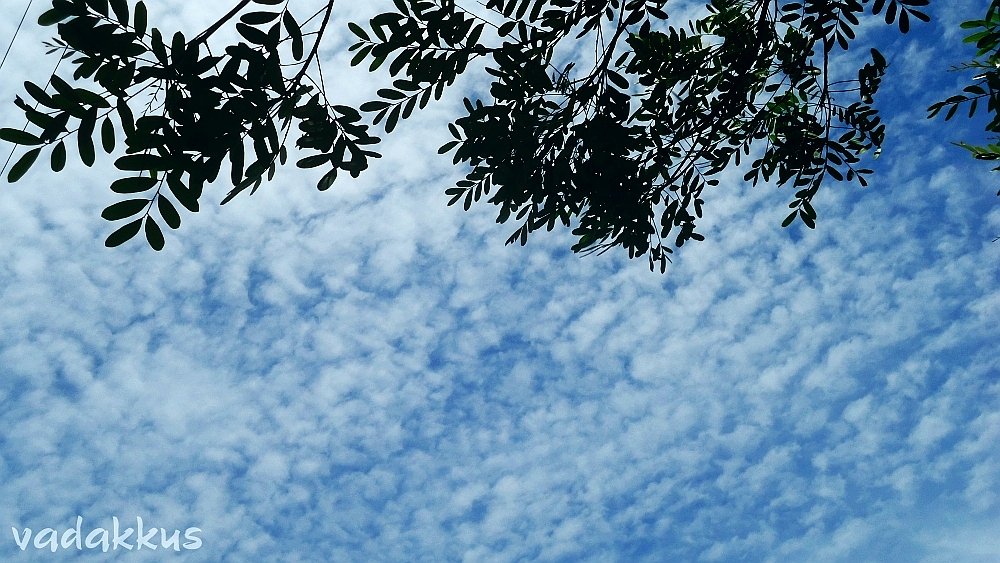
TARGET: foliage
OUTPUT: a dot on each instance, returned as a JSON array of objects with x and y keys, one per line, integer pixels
[
  {"x": 197, "y": 111},
  {"x": 985, "y": 34},
  {"x": 620, "y": 148}
]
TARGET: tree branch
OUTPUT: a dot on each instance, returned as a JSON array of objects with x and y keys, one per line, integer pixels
[
  {"x": 204, "y": 35},
  {"x": 315, "y": 47}
]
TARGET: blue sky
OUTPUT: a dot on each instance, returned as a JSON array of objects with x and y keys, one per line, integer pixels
[{"x": 369, "y": 375}]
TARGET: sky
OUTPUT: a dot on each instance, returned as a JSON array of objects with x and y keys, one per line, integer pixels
[{"x": 367, "y": 374}]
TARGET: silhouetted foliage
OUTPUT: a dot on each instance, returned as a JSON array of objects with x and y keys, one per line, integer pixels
[
  {"x": 620, "y": 146},
  {"x": 985, "y": 34}
]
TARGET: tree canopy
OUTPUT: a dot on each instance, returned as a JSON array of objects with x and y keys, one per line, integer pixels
[{"x": 619, "y": 146}]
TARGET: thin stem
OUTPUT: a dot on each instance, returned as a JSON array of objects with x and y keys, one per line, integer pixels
[
  {"x": 204, "y": 35},
  {"x": 315, "y": 47},
  {"x": 25, "y": 127}
]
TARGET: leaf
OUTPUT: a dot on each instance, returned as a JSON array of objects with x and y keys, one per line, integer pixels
[
  {"x": 126, "y": 117},
  {"x": 186, "y": 196},
  {"x": 39, "y": 94},
  {"x": 139, "y": 19},
  {"x": 84, "y": 137},
  {"x": 23, "y": 164},
  {"x": 120, "y": 8},
  {"x": 620, "y": 81},
  {"x": 154, "y": 236},
  {"x": 878, "y": 58},
  {"x": 99, "y": 6},
  {"x": 252, "y": 34},
  {"x": 808, "y": 208},
  {"x": 139, "y": 162},
  {"x": 360, "y": 55},
  {"x": 133, "y": 184},
  {"x": 295, "y": 33},
  {"x": 788, "y": 220},
  {"x": 807, "y": 219},
  {"x": 373, "y": 106},
  {"x": 391, "y": 94},
  {"x": 58, "y": 157},
  {"x": 124, "y": 209},
  {"x": 313, "y": 161},
  {"x": 327, "y": 180},
  {"x": 392, "y": 120},
  {"x": 258, "y": 18},
  {"x": 358, "y": 30},
  {"x": 19, "y": 137},
  {"x": 108, "y": 135},
  {"x": 123, "y": 234},
  {"x": 52, "y": 17},
  {"x": 168, "y": 212}
]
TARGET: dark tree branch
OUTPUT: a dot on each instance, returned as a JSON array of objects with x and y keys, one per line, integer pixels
[{"x": 204, "y": 35}]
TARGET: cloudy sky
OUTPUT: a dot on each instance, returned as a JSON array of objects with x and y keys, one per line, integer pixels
[{"x": 366, "y": 374}]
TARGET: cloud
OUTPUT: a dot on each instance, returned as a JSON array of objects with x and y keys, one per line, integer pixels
[{"x": 367, "y": 374}]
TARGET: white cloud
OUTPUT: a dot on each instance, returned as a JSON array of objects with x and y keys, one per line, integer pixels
[{"x": 366, "y": 374}]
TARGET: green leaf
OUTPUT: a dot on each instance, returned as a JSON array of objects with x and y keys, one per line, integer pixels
[
  {"x": 168, "y": 212},
  {"x": 123, "y": 234},
  {"x": 154, "y": 236},
  {"x": 19, "y": 137},
  {"x": 133, "y": 184},
  {"x": 124, "y": 209},
  {"x": 23, "y": 164},
  {"x": 58, "y": 157}
]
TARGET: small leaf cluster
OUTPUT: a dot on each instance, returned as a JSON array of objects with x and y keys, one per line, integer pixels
[
  {"x": 985, "y": 35},
  {"x": 184, "y": 114},
  {"x": 433, "y": 42}
]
